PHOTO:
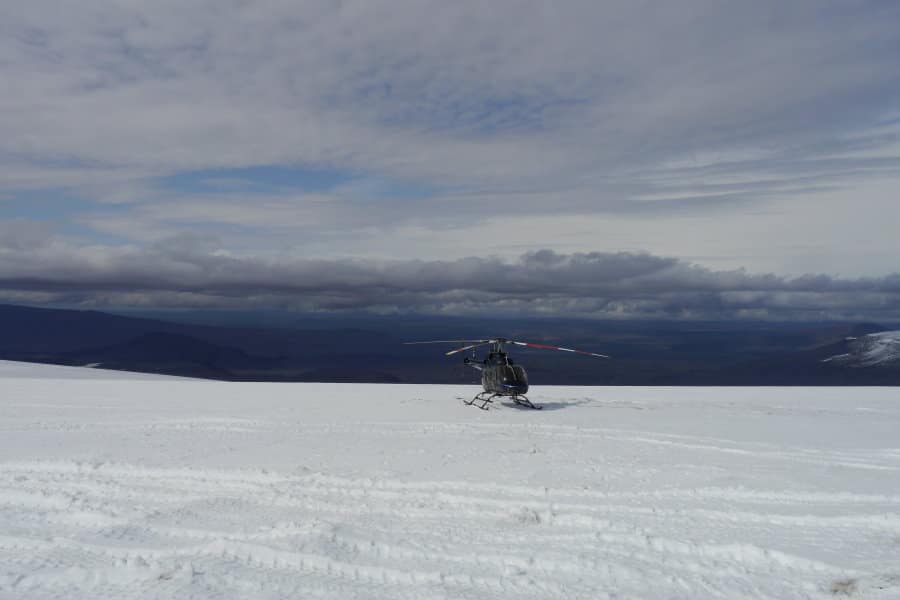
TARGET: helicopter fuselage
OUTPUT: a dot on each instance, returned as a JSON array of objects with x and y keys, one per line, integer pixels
[{"x": 499, "y": 375}]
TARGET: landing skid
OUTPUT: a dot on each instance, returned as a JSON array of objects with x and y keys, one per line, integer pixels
[
  {"x": 485, "y": 398},
  {"x": 523, "y": 401}
]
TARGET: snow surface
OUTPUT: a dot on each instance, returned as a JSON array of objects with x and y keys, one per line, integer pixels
[
  {"x": 167, "y": 488},
  {"x": 11, "y": 369}
]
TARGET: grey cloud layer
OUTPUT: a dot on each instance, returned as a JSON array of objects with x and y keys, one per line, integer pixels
[{"x": 190, "y": 271}]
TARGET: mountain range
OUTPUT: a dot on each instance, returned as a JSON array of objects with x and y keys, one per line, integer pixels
[{"x": 365, "y": 348}]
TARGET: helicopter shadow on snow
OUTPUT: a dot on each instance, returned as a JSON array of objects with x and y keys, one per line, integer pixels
[
  {"x": 544, "y": 406},
  {"x": 584, "y": 402},
  {"x": 552, "y": 405}
]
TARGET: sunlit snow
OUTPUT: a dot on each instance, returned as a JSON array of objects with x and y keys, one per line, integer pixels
[{"x": 115, "y": 485}]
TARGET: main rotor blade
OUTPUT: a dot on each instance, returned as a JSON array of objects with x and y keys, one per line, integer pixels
[
  {"x": 447, "y": 342},
  {"x": 464, "y": 348},
  {"x": 546, "y": 347}
]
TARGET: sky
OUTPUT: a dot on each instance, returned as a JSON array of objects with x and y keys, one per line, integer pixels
[{"x": 699, "y": 159}]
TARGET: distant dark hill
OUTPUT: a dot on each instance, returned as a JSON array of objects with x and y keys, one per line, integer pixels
[
  {"x": 150, "y": 345},
  {"x": 43, "y": 330},
  {"x": 333, "y": 352},
  {"x": 171, "y": 353},
  {"x": 348, "y": 375},
  {"x": 369, "y": 348}
]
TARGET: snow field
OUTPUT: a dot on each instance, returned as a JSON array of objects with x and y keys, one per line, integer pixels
[{"x": 166, "y": 488}]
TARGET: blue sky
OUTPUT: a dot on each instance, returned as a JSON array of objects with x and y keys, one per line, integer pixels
[{"x": 725, "y": 135}]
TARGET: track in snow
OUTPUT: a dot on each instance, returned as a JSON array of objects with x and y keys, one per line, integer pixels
[
  {"x": 234, "y": 491},
  {"x": 131, "y": 531}
]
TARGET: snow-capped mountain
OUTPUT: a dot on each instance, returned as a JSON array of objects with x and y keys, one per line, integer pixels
[{"x": 873, "y": 350}]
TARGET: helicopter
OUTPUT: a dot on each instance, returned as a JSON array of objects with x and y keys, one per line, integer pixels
[{"x": 500, "y": 376}]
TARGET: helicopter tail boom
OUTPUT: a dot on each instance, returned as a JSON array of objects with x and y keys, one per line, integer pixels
[{"x": 473, "y": 363}]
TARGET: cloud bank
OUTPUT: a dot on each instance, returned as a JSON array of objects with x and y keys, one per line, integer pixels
[{"x": 194, "y": 271}]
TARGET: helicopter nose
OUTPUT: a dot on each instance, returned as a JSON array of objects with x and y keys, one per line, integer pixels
[{"x": 518, "y": 388}]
